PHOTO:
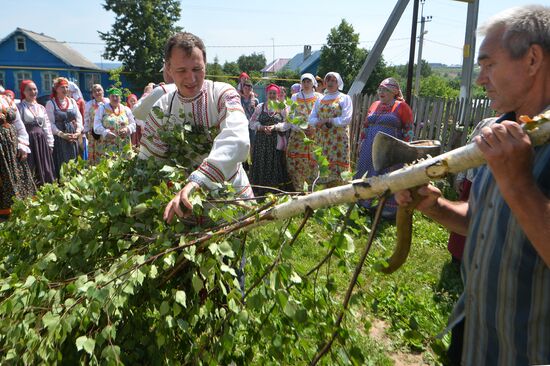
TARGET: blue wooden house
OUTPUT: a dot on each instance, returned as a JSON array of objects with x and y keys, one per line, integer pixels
[
  {"x": 28, "y": 55},
  {"x": 306, "y": 61}
]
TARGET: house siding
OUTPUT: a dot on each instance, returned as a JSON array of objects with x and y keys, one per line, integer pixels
[{"x": 37, "y": 60}]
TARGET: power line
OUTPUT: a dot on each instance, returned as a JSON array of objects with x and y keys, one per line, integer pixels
[
  {"x": 235, "y": 46},
  {"x": 443, "y": 44},
  {"x": 74, "y": 42}
]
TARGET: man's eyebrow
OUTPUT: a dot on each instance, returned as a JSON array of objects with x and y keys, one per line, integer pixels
[{"x": 482, "y": 56}]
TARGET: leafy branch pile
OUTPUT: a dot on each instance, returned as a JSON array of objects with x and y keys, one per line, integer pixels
[{"x": 91, "y": 274}]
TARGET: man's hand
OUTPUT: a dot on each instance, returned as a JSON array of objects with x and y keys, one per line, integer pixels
[
  {"x": 182, "y": 196},
  {"x": 508, "y": 152},
  {"x": 427, "y": 204},
  {"x": 21, "y": 155}
]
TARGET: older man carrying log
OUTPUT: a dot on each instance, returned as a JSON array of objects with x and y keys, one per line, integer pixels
[{"x": 504, "y": 312}]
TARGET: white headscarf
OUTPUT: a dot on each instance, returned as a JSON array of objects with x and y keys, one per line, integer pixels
[
  {"x": 309, "y": 76},
  {"x": 338, "y": 78},
  {"x": 76, "y": 94}
]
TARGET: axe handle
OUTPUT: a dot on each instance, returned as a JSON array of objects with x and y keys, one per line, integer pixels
[{"x": 403, "y": 221}]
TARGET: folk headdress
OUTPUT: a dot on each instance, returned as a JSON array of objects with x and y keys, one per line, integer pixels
[
  {"x": 392, "y": 85},
  {"x": 60, "y": 81}
]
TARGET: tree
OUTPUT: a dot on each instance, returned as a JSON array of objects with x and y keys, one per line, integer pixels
[
  {"x": 400, "y": 71},
  {"x": 231, "y": 68},
  {"x": 138, "y": 36},
  {"x": 380, "y": 72},
  {"x": 254, "y": 62},
  {"x": 437, "y": 86},
  {"x": 341, "y": 53},
  {"x": 215, "y": 72}
]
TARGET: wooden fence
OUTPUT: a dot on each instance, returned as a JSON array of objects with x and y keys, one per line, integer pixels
[{"x": 446, "y": 120}]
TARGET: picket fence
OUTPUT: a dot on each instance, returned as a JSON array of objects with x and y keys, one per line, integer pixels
[{"x": 446, "y": 120}]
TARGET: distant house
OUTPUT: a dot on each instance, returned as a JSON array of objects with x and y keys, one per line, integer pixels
[
  {"x": 306, "y": 61},
  {"x": 274, "y": 66},
  {"x": 28, "y": 55}
]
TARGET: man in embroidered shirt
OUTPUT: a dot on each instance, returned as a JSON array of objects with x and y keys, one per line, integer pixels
[
  {"x": 505, "y": 307},
  {"x": 212, "y": 106}
]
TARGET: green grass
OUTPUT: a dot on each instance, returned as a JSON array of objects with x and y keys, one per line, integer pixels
[{"x": 415, "y": 301}]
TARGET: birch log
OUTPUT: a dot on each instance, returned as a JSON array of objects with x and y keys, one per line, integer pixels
[{"x": 454, "y": 161}]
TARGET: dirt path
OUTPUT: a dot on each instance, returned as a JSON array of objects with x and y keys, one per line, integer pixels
[{"x": 378, "y": 333}]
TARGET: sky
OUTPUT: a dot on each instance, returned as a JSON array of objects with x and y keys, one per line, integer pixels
[{"x": 276, "y": 29}]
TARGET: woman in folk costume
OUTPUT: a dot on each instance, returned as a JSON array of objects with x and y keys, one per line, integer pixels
[
  {"x": 268, "y": 156},
  {"x": 301, "y": 164},
  {"x": 38, "y": 127},
  {"x": 76, "y": 94},
  {"x": 66, "y": 123},
  {"x": 131, "y": 101},
  {"x": 392, "y": 115},
  {"x": 243, "y": 77},
  {"x": 295, "y": 88},
  {"x": 331, "y": 116},
  {"x": 15, "y": 176},
  {"x": 90, "y": 110},
  {"x": 114, "y": 122},
  {"x": 9, "y": 94}
]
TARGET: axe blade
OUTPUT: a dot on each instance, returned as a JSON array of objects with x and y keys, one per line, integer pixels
[{"x": 388, "y": 151}]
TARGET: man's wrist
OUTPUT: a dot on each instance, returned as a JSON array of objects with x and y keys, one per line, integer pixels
[{"x": 195, "y": 181}]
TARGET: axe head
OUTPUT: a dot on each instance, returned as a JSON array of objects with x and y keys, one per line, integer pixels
[{"x": 388, "y": 151}]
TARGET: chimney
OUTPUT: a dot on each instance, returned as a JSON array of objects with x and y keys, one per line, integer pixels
[{"x": 307, "y": 51}]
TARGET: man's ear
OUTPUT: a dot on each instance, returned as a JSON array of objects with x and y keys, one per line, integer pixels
[{"x": 536, "y": 58}]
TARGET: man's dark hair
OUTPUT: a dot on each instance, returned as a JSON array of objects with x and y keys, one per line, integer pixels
[{"x": 185, "y": 41}]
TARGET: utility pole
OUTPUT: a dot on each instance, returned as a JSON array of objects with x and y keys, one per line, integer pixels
[
  {"x": 469, "y": 49},
  {"x": 273, "y": 40},
  {"x": 376, "y": 51},
  {"x": 420, "y": 44},
  {"x": 411, "y": 53}
]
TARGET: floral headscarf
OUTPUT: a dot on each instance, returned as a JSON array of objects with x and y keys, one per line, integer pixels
[
  {"x": 392, "y": 85},
  {"x": 115, "y": 91}
]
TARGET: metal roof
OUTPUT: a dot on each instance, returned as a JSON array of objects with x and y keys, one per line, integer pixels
[
  {"x": 298, "y": 64},
  {"x": 59, "y": 49},
  {"x": 276, "y": 65}
]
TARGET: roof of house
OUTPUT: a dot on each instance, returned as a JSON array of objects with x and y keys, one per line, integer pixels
[
  {"x": 299, "y": 64},
  {"x": 57, "y": 48},
  {"x": 276, "y": 65}
]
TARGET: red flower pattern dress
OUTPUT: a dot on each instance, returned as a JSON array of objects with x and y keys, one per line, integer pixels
[
  {"x": 333, "y": 137},
  {"x": 301, "y": 164}
]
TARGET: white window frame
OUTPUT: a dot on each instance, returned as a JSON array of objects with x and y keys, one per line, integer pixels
[
  {"x": 73, "y": 76},
  {"x": 47, "y": 84},
  {"x": 3, "y": 79},
  {"x": 21, "y": 38},
  {"x": 92, "y": 78},
  {"x": 20, "y": 75}
]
